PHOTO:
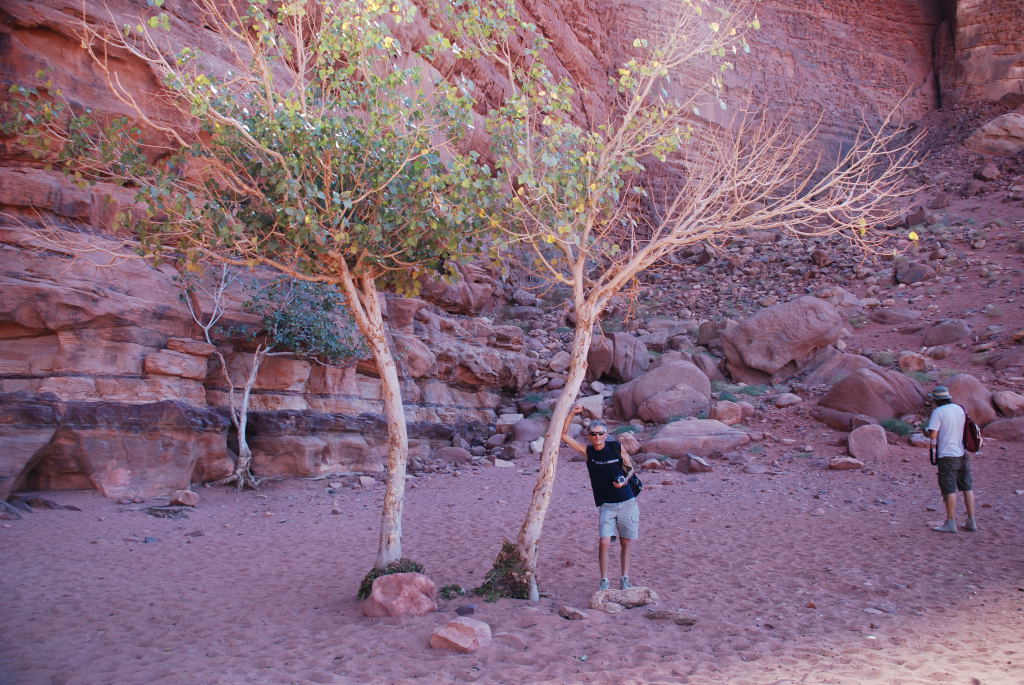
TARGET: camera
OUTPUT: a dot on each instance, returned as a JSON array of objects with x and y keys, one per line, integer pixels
[{"x": 620, "y": 479}]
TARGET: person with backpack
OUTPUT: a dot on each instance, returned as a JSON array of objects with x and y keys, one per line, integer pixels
[
  {"x": 610, "y": 469},
  {"x": 946, "y": 430}
]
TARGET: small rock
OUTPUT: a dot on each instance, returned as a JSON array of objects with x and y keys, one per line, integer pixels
[
  {"x": 845, "y": 463},
  {"x": 787, "y": 399},
  {"x": 677, "y": 616},
  {"x": 185, "y": 498},
  {"x": 572, "y": 613},
  {"x": 367, "y": 481},
  {"x": 462, "y": 635},
  {"x": 465, "y": 609}
]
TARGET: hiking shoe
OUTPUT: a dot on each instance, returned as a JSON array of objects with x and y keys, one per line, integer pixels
[
  {"x": 948, "y": 527},
  {"x": 971, "y": 525},
  {"x": 624, "y": 583},
  {"x": 604, "y": 584}
]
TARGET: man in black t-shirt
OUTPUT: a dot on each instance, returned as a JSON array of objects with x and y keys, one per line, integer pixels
[{"x": 610, "y": 468}]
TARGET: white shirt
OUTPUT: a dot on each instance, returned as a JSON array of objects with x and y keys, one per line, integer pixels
[{"x": 948, "y": 420}]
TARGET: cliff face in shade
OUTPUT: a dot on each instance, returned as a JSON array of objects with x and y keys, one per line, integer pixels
[{"x": 99, "y": 382}]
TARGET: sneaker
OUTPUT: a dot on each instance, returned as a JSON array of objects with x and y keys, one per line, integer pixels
[
  {"x": 947, "y": 527},
  {"x": 624, "y": 583},
  {"x": 971, "y": 525},
  {"x": 604, "y": 584}
]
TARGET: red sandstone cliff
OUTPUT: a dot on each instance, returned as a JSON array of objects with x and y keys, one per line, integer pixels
[{"x": 109, "y": 392}]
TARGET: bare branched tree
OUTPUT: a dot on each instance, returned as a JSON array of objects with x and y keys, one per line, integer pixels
[{"x": 593, "y": 207}]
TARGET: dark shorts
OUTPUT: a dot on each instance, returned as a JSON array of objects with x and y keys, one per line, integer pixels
[{"x": 954, "y": 474}]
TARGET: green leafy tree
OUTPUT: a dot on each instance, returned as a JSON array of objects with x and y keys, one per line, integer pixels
[
  {"x": 297, "y": 318},
  {"x": 315, "y": 142},
  {"x": 592, "y": 206}
]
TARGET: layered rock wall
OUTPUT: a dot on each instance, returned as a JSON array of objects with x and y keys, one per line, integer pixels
[{"x": 104, "y": 383}]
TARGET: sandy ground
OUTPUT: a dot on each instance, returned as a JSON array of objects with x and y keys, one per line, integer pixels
[{"x": 798, "y": 575}]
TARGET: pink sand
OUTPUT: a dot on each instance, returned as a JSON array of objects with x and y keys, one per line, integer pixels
[{"x": 778, "y": 569}]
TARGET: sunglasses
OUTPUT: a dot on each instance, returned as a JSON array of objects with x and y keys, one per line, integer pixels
[{"x": 597, "y": 433}]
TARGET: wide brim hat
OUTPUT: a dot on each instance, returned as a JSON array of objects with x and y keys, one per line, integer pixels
[{"x": 941, "y": 392}]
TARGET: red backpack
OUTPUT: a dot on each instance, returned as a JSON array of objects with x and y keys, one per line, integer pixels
[{"x": 972, "y": 434}]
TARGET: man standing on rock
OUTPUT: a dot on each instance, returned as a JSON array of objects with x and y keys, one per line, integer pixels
[
  {"x": 610, "y": 469},
  {"x": 946, "y": 430}
]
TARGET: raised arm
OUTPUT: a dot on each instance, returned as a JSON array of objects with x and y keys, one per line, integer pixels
[{"x": 568, "y": 439}]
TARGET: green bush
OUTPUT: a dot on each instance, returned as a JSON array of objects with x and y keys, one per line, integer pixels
[
  {"x": 754, "y": 390},
  {"x": 625, "y": 429},
  {"x": 884, "y": 358},
  {"x": 451, "y": 591},
  {"x": 507, "y": 578},
  {"x": 400, "y": 566},
  {"x": 901, "y": 428}
]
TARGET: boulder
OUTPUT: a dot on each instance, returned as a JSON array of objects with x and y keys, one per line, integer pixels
[
  {"x": 401, "y": 594},
  {"x": 559, "y": 361},
  {"x": 973, "y": 396},
  {"x": 692, "y": 463},
  {"x": 630, "y": 357},
  {"x": 709, "y": 365},
  {"x": 840, "y": 420},
  {"x": 697, "y": 436},
  {"x": 593, "y": 406},
  {"x": 1008, "y": 430},
  {"x": 629, "y": 442},
  {"x": 1007, "y": 359},
  {"x": 462, "y": 634},
  {"x": 787, "y": 399},
  {"x": 676, "y": 388},
  {"x": 1004, "y": 136},
  {"x": 471, "y": 293},
  {"x": 776, "y": 342},
  {"x": 528, "y": 430},
  {"x": 1008, "y": 403},
  {"x": 831, "y": 365},
  {"x": 599, "y": 358},
  {"x": 729, "y": 413},
  {"x": 945, "y": 331},
  {"x": 456, "y": 456},
  {"x": 876, "y": 392},
  {"x": 889, "y": 316},
  {"x": 867, "y": 442},
  {"x": 912, "y": 361},
  {"x": 909, "y": 271},
  {"x": 614, "y": 601},
  {"x": 506, "y": 422}
]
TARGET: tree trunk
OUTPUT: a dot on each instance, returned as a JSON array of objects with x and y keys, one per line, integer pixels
[
  {"x": 529, "y": 534},
  {"x": 243, "y": 474},
  {"x": 370, "y": 319}
]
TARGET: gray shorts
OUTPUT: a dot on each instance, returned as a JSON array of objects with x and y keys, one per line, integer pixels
[{"x": 622, "y": 518}]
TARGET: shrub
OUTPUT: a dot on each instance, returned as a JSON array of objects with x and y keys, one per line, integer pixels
[
  {"x": 507, "y": 578},
  {"x": 401, "y": 566},
  {"x": 754, "y": 390},
  {"x": 625, "y": 429},
  {"x": 901, "y": 428},
  {"x": 884, "y": 358},
  {"x": 450, "y": 591}
]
